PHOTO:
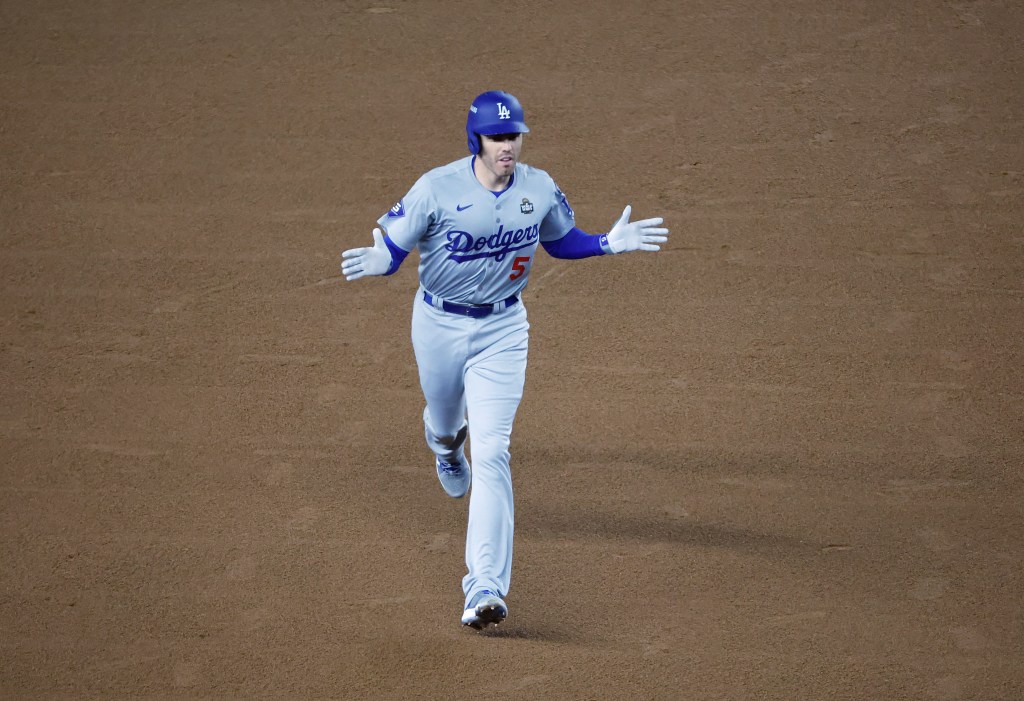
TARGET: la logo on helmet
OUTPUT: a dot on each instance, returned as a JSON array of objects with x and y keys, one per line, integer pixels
[{"x": 503, "y": 112}]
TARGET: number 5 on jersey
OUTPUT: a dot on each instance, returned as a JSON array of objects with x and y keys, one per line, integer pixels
[{"x": 519, "y": 267}]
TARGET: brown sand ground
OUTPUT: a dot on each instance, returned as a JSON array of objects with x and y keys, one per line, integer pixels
[{"x": 779, "y": 460}]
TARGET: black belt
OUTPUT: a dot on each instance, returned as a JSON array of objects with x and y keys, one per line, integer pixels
[{"x": 476, "y": 311}]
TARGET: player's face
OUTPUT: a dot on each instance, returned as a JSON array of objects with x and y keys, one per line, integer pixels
[{"x": 500, "y": 152}]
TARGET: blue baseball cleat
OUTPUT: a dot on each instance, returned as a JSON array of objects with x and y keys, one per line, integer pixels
[
  {"x": 455, "y": 476},
  {"x": 485, "y": 609}
]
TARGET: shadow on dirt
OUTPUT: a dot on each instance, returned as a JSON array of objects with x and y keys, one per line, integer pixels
[
  {"x": 540, "y": 522},
  {"x": 514, "y": 631}
]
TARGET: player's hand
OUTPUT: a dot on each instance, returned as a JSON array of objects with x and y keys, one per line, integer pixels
[
  {"x": 363, "y": 262},
  {"x": 643, "y": 235}
]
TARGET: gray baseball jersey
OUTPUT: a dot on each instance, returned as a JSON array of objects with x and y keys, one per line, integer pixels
[{"x": 475, "y": 247}]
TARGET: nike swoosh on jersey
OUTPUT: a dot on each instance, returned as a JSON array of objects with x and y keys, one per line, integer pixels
[{"x": 460, "y": 208}]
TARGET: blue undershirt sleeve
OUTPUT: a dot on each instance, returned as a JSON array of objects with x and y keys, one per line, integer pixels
[
  {"x": 398, "y": 254},
  {"x": 577, "y": 244}
]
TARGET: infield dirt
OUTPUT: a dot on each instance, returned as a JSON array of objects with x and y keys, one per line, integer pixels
[{"x": 781, "y": 459}]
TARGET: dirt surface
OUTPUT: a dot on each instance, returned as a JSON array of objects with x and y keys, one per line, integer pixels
[{"x": 779, "y": 460}]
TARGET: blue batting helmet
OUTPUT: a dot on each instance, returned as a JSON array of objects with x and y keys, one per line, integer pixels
[{"x": 493, "y": 112}]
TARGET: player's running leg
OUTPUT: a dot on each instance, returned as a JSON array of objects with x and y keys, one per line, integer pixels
[
  {"x": 440, "y": 342},
  {"x": 494, "y": 387}
]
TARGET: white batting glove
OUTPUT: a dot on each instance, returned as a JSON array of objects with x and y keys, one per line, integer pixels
[
  {"x": 643, "y": 235},
  {"x": 363, "y": 262}
]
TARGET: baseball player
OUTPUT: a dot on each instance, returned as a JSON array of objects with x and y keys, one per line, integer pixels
[{"x": 477, "y": 223}]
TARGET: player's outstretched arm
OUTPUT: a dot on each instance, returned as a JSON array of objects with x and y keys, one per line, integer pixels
[
  {"x": 643, "y": 235},
  {"x": 383, "y": 258}
]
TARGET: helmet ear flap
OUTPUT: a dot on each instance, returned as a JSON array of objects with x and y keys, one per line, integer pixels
[{"x": 473, "y": 142}]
